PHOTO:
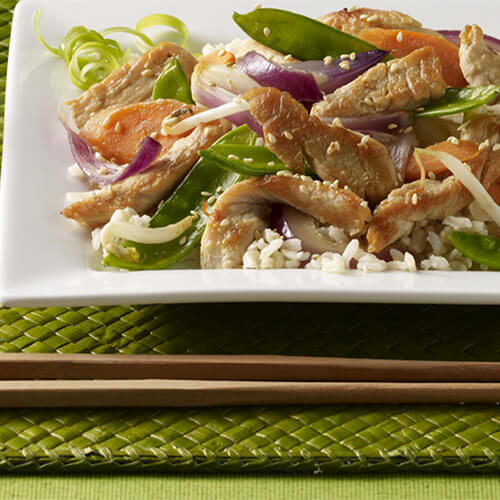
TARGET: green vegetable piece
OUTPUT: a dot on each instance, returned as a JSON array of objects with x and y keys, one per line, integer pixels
[
  {"x": 458, "y": 100},
  {"x": 173, "y": 83},
  {"x": 302, "y": 37},
  {"x": 204, "y": 177},
  {"x": 479, "y": 248},
  {"x": 245, "y": 160}
]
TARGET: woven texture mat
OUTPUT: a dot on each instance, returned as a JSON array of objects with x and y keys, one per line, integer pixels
[{"x": 308, "y": 439}]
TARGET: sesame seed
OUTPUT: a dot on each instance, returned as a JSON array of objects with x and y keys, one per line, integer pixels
[
  {"x": 337, "y": 123},
  {"x": 333, "y": 147},
  {"x": 107, "y": 121},
  {"x": 147, "y": 73},
  {"x": 365, "y": 139},
  {"x": 221, "y": 53},
  {"x": 182, "y": 241},
  {"x": 392, "y": 126},
  {"x": 233, "y": 157},
  {"x": 154, "y": 135},
  {"x": 372, "y": 18},
  {"x": 271, "y": 163},
  {"x": 205, "y": 193},
  {"x": 453, "y": 140},
  {"x": 344, "y": 56},
  {"x": 353, "y": 8},
  {"x": 119, "y": 127},
  {"x": 248, "y": 160},
  {"x": 302, "y": 188},
  {"x": 420, "y": 109},
  {"x": 304, "y": 178},
  {"x": 266, "y": 31},
  {"x": 259, "y": 141},
  {"x": 335, "y": 183},
  {"x": 288, "y": 135},
  {"x": 414, "y": 199},
  {"x": 432, "y": 175},
  {"x": 407, "y": 130},
  {"x": 399, "y": 37},
  {"x": 103, "y": 171},
  {"x": 211, "y": 200},
  {"x": 271, "y": 138},
  {"x": 328, "y": 60},
  {"x": 364, "y": 16},
  {"x": 224, "y": 222},
  {"x": 288, "y": 57},
  {"x": 257, "y": 6},
  {"x": 194, "y": 213},
  {"x": 364, "y": 203},
  {"x": 352, "y": 56},
  {"x": 496, "y": 147},
  {"x": 219, "y": 190},
  {"x": 484, "y": 145},
  {"x": 285, "y": 173},
  {"x": 99, "y": 156}
]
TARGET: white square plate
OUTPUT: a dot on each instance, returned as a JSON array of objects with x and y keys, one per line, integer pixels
[{"x": 45, "y": 259}]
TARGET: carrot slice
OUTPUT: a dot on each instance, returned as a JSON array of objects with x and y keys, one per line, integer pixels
[
  {"x": 465, "y": 151},
  {"x": 401, "y": 42},
  {"x": 117, "y": 133}
]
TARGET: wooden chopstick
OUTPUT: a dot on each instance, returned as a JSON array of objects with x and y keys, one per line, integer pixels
[
  {"x": 240, "y": 368},
  {"x": 162, "y": 393}
]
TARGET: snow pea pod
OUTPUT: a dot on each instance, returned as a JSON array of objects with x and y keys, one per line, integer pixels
[
  {"x": 245, "y": 160},
  {"x": 302, "y": 37},
  {"x": 204, "y": 181},
  {"x": 458, "y": 100},
  {"x": 479, "y": 248},
  {"x": 173, "y": 83}
]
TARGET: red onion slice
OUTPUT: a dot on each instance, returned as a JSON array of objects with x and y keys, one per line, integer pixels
[
  {"x": 453, "y": 36},
  {"x": 93, "y": 168},
  {"x": 331, "y": 76},
  {"x": 300, "y": 85},
  {"x": 400, "y": 147},
  {"x": 207, "y": 89},
  {"x": 292, "y": 223}
]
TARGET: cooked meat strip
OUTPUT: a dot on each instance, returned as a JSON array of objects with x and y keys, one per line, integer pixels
[
  {"x": 243, "y": 209},
  {"x": 354, "y": 20},
  {"x": 418, "y": 201},
  {"x": 398, "y": 85},
  {"x": 479, "y": 65},
  {"x": 143, "y": 191},
  {"x": 333, "y": 152},
  {"x": 132, "y": 82},
  {"x": 484, "y": 128}
]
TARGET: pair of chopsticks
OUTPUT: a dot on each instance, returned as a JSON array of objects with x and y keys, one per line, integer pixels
[{"x": 212, "y": 380}]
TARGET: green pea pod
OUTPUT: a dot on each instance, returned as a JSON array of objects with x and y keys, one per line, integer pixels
[
  {"x": 173, "y": 84},
  {"x": 245, "y": 160},
  {"x": 302, "y": 37},
  {"x": 479, "y": 248},
  {"x": 205, "y": 177},
  {"x": 458, "y": 100}
]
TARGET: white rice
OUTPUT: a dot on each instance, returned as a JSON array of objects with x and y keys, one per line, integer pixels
[{"x": 429, "y": 240}]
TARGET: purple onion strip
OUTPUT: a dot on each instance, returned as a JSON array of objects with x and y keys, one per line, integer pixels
[
  {"x": 300, "y": 85},
  {"x": 331, "y": 76},
  {"x": 85, "y": 158}
]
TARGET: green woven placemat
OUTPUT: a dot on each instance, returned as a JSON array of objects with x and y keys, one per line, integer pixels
[{"x": 309, "y": 439}]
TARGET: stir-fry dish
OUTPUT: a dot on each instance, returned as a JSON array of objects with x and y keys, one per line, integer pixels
[{"x": 358, "y": 140}]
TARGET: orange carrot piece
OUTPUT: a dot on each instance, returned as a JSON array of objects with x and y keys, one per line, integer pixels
[
  {"x": 117, "y": 133},
  {"x": 401, "y": 42},
  {"x": 465, "y": 151}
]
